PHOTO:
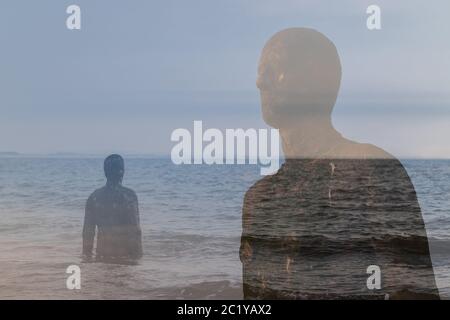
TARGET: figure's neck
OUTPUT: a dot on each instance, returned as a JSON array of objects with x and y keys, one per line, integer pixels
[
  {"x": 113, "y": 183},
  {"x": 310, "y": 138}
]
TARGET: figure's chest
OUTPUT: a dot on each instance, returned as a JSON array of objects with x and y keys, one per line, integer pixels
[{"x": 323, "y": 196}]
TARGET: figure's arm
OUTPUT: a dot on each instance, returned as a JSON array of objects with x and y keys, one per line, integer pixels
[
  {"x": 137, "y": 246},
  {"x": 245, "y": 250},
  {"x": 404, "y": 230},
  {"x": 88, "y": 230},
  {"x": 138, "y": 231}
]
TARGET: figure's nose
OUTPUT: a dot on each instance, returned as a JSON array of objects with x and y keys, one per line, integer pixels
[
  {"x": 263, "y": 83},
  {"x": 259, "y": 83}
]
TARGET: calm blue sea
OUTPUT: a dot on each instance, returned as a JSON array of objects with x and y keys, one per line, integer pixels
[{"x": 191, "y": 221}]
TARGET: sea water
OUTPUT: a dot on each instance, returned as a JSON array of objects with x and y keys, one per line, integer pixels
[{"x": 191, "y": 222}]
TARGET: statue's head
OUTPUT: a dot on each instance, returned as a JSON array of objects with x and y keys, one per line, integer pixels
[
  {"x": 299, "y": 76},
  {"x": 114, "y": 167}
]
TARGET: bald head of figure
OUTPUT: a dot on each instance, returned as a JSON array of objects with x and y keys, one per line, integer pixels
[
  {"x": 114, "y": 167},
  {"x": 299, "y": 76}
]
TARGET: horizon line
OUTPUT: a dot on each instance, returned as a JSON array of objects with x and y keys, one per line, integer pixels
[{"x": 14, "y": 154}]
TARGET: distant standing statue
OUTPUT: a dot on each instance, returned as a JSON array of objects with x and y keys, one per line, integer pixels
[{"x": 113, "y": 210}]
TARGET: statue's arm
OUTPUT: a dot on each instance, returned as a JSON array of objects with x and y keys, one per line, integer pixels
[
  {"x": 88, "y": 229},
  {"x": 245, "y": 250},
  {"x": 137, "y": 228}
]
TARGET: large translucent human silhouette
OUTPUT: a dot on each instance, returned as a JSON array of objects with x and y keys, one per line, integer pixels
[
  {"x": 114, "y": 212},
  {"x": 336, "y": 206}
]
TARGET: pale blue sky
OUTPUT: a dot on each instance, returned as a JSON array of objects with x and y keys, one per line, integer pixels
[{"x": 139, "y": 69}]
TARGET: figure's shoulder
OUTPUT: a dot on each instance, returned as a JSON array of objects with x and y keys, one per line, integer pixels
[
  {"x": 262, "y": 187},
  {"x": 97, "y": 193},
  {"x": 371, "y": 151},
  {"x": 266, "y": 181},
  {"x": 95, "y": 196},
  {"x": 355, "y": 150},
  {"x": 128, "y": 193}
]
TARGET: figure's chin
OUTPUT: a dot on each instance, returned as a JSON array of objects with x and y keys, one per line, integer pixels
[
  {"x": 271, "y": 121},
  {"x": 268, "y": 116}
]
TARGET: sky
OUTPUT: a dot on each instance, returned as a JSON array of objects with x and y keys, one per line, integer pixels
[{"x": 139, "y": 69}]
